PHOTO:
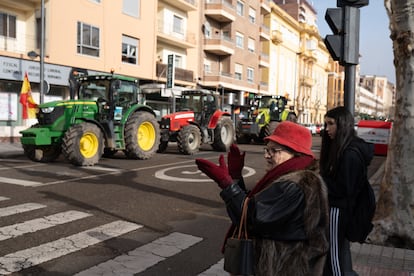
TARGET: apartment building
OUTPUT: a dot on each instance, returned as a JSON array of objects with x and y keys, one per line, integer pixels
[
  {"x": 376, "y": 97},
  {"x": 237, "y": 47}
]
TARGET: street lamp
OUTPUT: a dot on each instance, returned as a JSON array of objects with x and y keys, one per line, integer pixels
[{"x": 33, "y": 54}]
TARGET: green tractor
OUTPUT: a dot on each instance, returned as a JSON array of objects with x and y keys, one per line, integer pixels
[
  {"x": 261, "y": 120},
  {"x": 103, "y": 116}
]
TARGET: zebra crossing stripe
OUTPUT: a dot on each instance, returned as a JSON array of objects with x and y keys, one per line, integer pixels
[
  {"x": 143, "y": 257},
  {"x": 12, "y": 231},
  {"x": 21, "y": 208},
  {"x": 215, "y": 270},
  {"x": 19, "y": 181},
  {"x": 3, "y": 198},
  {"x": 36, "y": 255}
]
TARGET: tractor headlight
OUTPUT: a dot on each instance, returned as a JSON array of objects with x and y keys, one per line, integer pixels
[{"x": 48, "y": 109}]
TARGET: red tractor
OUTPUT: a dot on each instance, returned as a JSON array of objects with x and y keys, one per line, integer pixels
[{"x": 198, "y": 121}]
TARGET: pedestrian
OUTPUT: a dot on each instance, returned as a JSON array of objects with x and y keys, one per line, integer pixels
[
  {"x": 287, "y": 214},
  {"x": 341, "y": 167}
]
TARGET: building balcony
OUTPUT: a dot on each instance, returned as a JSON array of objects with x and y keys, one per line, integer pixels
[
  {"x": 179, "y": 74},
  {"x": 265, "y": 6},
  {"x": 277, "y": 37},
  {"x": 264, "y": 60},
  {"x": 307, "y": 81},
  {"x": 184, "y": 5},
  {"x": 219, "y": 45},
  {"x": 264, "y": 32},
  {"x": 220, "y": 10},
  {"x": 22, "y": 5},
  {"x": 263, "y": 87},
  {"x": 179, "y": 38}
]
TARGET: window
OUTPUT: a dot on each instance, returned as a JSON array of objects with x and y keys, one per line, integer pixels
[
  {"x": 252, "y": 15},
  {"x": 88, "y": 40},
  {"x": 131, "y": 7},
  {"x": 238, "y": 71},
  {"x": 178, "y": 61},
  {"x": 7, "y": 25},
  {"x": 251, "y": 44},
  {"x": 239, "y": 40},
  {"x": 178, "y": 25},
  {"x": 240, "y": 8},
  {"x": 130, "y": 48},
  {"x": 207, "y": 66},
  {"x": 250, "y": 74}
]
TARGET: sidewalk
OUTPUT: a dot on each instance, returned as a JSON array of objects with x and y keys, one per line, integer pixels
[
  {"x": 10, "y": 150},
  {"x": 368, "y": 259}
]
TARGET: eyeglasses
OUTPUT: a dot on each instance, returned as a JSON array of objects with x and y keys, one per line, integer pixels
[{"x": 271, "y": 151}]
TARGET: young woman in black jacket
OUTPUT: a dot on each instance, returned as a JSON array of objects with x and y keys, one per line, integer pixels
[{"x": 341, "y": 167}]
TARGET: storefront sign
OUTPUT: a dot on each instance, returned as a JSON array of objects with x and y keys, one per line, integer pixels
[{"x": 14, "y": 69}]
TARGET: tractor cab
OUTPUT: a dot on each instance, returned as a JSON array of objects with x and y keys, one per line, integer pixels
[{"x": 202, "y": 103}]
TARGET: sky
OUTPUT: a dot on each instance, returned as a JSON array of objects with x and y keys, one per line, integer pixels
[{"x": 375, "y": 45}]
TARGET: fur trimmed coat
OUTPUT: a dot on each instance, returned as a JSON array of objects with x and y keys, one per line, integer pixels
[
  {"x": 289, "y": 221},
  {"x": 297, "y": 254}
]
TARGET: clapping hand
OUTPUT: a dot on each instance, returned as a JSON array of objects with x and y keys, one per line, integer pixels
[
  {"x": 219, "y": 173},
  {"x": 235, "y": 160}
]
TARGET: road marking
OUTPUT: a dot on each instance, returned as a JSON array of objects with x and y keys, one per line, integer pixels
[
  {"x": 19, "y": 181},
  {"x": 215, "y": 270},
  {"x": 31, "y": 226},
  {"x": 16, "y": 209},
  {"x": 143, "y": 257},
  {"x": 3, "y": 198},
  {"x": 109, "y": 173},
  {"x": 161, "y": 174},
  {"x": 98, "y": 168},
  {"x": 43, "y": 253}
]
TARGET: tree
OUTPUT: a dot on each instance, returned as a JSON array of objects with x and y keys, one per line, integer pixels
[{"x": 394, "y": 220}]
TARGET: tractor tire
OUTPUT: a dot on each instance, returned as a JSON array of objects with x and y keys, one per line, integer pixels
[
  {"x": 82, "y": 144},
  {"x": 223, "y": 134},
  {"x": 266, "y": 131},
  {"x": 189, "y": 140},
  {"x": 42, "y": 154},
  {"x": 142, "y": 136},
  {"x": 243, "y": 139}
]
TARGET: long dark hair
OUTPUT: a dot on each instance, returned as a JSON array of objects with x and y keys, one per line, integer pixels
[{"x": 332, "y": 149}]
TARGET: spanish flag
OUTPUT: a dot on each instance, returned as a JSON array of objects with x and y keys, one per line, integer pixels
[{"x": 26, "y": 99}]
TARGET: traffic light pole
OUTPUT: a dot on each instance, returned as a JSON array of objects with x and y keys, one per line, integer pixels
[{"x": 349, "y": 88}]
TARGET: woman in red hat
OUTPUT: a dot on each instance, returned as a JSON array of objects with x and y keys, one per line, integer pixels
[{"x": 287, "y": 209}]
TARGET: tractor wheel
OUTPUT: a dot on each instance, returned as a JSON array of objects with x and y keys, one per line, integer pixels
[
  {"x": 243, "y": 139},
  {"x": 189, "y": 139},
  {"x": 163, "y": 147},
  {"x": 223, "y": 134},
  {"x": 142, "y": 136},
  {"x": 43, "y": 154},
  {"x": 83, "y": 144}
]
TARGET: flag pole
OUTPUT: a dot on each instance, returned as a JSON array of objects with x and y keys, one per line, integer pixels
[{"x": 42, "y": 51}]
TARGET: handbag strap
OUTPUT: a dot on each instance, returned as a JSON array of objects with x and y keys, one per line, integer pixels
[{"x": 243, "y": 220}]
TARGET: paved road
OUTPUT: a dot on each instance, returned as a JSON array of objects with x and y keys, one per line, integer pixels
[{"x": 126, "y": 217}]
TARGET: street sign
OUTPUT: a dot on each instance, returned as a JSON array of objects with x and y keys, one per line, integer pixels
[{"x": 170, "y": 71}]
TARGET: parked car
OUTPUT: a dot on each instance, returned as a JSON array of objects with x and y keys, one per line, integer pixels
[{"x": 311, "y": 127}]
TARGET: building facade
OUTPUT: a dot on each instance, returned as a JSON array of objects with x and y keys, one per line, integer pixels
[{"x": 237, "y": 47}]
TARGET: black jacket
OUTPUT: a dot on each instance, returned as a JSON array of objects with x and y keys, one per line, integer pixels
[
  {"x": 288, "y": 221},
  {"x": 342, "y": 187}
]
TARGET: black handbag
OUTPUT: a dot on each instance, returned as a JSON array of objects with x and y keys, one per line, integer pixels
[{"x": 238, "y": 250}]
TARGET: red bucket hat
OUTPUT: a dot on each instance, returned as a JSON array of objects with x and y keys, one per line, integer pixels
[{"x": 292, "y": 135}]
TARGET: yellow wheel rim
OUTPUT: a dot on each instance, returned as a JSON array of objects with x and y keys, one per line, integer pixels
[
  {"x": 146, "y": 136},
  {"x": 88, "y": 145}
]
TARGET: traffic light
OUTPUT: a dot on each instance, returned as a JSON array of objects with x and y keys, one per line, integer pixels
[
  {"x": 343, "y": 45},
  {"x": 334, "y": 42},
  {"x": 352, "y": 3}
]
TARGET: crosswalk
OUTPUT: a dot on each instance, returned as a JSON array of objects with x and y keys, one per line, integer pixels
[{"x": 129, "y": 263}]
